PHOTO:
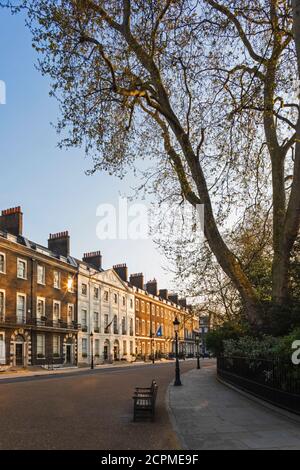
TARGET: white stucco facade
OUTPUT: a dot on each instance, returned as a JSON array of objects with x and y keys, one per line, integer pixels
[{"x": 106, "y": 315}]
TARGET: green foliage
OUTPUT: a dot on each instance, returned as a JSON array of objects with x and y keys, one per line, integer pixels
[
  {"x": 266, "y": 347},
  {"x": 229, "y": 330}
]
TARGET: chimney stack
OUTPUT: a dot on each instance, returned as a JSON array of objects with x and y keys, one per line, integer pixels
[
  {"x": 122, "y": 271},
  {"x": 151, "y": 287},
  {"x": 163, "y": 293},
  {"x": 183, "y": 303},
  {"x": 137, "y": 280},
  {"x": 11, "y": 221},
  {"x": 94, "y": 258},
  {"x": 59, "y": 243},
  {"x": 173, "y": 298}
]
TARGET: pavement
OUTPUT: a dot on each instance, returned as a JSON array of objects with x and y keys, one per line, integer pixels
[
  {"x": 86, "y": 410},
  {"x": 208, "y": 415}
]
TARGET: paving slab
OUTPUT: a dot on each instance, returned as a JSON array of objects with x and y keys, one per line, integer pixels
[{"x": 208, "y": 415}]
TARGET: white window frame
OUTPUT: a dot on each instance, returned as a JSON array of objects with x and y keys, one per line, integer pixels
[
  {"x": 73, "y": 312},
  {"x": 97, "y": 347},
  {"x": 84, "y": 325},
  {"x": 94, "y": 293},
  {"x": 4, "y": 258},
  {"x": 58, "y": 302},
  {"x": 59, "y": 279},
  {"x": 98, "y": 322},
  {"x": 37, "y": 302},
  {"x": 43, "y": 281},
  {"x": 2, "y": 291},
  {"x": 86, "y": 286},
  {"x": 21, "y": 260},
  {"x": 58, "y": 349},
  {"x": 20, "y": 294},
  {"x": 84, "y": 352},
  {"x": 43, "y": 353}
]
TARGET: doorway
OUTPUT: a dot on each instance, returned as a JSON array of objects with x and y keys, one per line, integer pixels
[
  {"x": 19, "y": 354},
  {"x": 68, "y": 353}
]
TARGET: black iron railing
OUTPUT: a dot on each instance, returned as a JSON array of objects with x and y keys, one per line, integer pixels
[{"x": 273, "y": 380}]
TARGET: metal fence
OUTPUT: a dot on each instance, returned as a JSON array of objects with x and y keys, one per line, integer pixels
[{"x": 273, "y": 380}]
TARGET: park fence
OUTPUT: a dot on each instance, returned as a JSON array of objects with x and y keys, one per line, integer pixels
[{"x": 273, "y": 380}]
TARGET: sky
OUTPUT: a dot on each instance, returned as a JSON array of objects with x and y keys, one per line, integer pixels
[{"x": 48, "y": 183}]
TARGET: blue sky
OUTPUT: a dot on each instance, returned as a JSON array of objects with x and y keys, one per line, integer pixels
[{"x": 49, "y": 183}]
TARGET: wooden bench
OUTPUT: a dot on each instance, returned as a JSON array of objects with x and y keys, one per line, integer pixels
[{"x": 144, "y": 401}]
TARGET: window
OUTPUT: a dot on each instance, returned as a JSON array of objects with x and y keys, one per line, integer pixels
[
  {"x": 84, "y": 318},
  {"x": 148, "y": 328},
  {"x": 84, "y": 347},
  {"x": 137, "y": 305},
  {"x": 56, "y": 310},
  {"x": 137, "y": 326},
  {"x": 153, "y": 329},
  {"x": 115, "y": 298},
  {"x": 123, "y": 326},
  {"x": 143, "y": 328},
  {"x": 106, "y": 296},
  {"x": 40, "y": 345},
  {"x": 106, "y": 323},
  {"x": 41, "y": 274},
  {"x": 84, "y": 289},
  {"x": 22, "y": 269},
  {"x": 143, "y": 306},
  {"x": 115, "y": 325},
  {"x": 56, "y": 279},
  {"x": 96, "y": 321},
  {"x": 21, "y": 308},
  {"x": 131, "y": 303},
  {"x": 70, "y": 283},
  {"x": 124, "y": 301},
  {"x": 131, "y": 327},
  {"x": 124, "y": 347},
  {"x": 97, "y": 347},
  {"x": 2, "y": 263},
  {"x": 2, "y": 349},
  {"x": 2, "y": 304},
  {"x": 56, "y": 345},
  {"x": 40, "y": 308},
  {"x": 148, "y": 308},
  {"x": 96, "y": 293},
  {"x": 70, "y": 313},
  {"x": 131, "y": 347}
]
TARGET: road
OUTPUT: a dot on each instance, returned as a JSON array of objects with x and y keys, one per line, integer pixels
[{"x": 88, "y": 410}]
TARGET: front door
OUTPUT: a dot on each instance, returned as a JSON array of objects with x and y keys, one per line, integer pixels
[
  {"x": 19, "y": 354},
  {"x": 69, "y": 354},
  {"x": 116, "y": 353}
]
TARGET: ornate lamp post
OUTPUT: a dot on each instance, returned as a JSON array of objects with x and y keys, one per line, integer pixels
[
  {"x": 177, "y": 369},
  {"x": 92, "y": 350},
  {"x": 197, "y": 341}
]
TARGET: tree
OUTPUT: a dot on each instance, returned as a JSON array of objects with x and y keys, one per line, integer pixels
[{"x": 203, "y": 85}]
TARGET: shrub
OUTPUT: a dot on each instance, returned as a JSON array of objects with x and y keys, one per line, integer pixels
[{"x": 229, "y": 330}]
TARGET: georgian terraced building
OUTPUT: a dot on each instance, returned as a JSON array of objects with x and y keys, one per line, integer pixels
[
  {"x": 105, "y": 312},
  {"x": 58, "y": 310},
  {"x": 38, "y": 297}
]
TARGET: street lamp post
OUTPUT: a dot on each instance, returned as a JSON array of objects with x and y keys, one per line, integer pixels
[
  {"x": 92, "y": 350},
  {"x": 177, "y": 369},
  {"x": 197, "y": 341}
]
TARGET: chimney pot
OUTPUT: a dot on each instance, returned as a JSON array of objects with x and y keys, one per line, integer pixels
[
  {"x": 11, "y": 221},
  {"x": 59, "y": 243}
]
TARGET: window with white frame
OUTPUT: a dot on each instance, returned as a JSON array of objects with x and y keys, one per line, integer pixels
[
  {"x": 123, "y": 326},
  {"x": 124, "y": 347},
  {"x": 131, "y": 327},
  {"x": 124, "y": 301},
  {"x": 106, "y": 296},
  {"x": 106, "y": 323},
  {"x": 2, "y": 263},
  {"x": 84, "y": 289},
  {"x": 21, "y": 308},
  {"x": 2, "y": 304},
  {"x": 41, "y": 274},
  {"x": 56, "y": 310},
  {"x": 137, "y": 326},
  {"x": 131, "y": 303},
  {"x": 143, "y": 328},
  {"x": 40, "y": 307},
  {"x": 97, "y": 347},
  {"x": 84, "y": 318},
  {"x": 21, "y": 269},
  {"x": 56, "y": 279},
  {"x": 70, "y": 313},
  {"x": 70, "y": 283},
  {"x": 84, "y": 347},
  {"x": 131, "y": 347},
  {"x": 40, "y": 345},
  {"x": 96, "y": 320},
  {"x": 115, "y": 298},
  {"x": 96, "y": 293},
  {"x": 116, "y": 329},
  {"x": 2, "y": 348},
  {"x": 56, "y": 345}
]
